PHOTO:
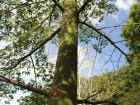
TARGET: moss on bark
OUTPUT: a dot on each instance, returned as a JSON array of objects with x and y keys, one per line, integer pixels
[{"x": 64, "y": 90}]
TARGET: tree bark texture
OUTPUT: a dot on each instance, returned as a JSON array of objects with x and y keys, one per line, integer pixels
[{"x": 64, "y": 90}]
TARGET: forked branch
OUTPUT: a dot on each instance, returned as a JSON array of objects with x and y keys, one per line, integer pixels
[
  {"x": 18, "y": 61},
  {"x": 25, "y": 86},
  {"x": 107, "y": 38}
]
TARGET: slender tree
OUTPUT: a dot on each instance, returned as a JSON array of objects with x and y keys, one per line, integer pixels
[{"x": 65, "y": 77}]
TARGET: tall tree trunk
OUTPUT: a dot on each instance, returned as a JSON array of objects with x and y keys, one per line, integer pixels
[{"x": 64, "y": 90}]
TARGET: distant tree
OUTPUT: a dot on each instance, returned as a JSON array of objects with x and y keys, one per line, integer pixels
[
  {"x": 127, "y": 78},
  {"x": 132, "y": 71}
]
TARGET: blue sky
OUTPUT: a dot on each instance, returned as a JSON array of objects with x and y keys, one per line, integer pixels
[
  {"x": 95, "y": 67},
  {"x": 88, "y": 66}
]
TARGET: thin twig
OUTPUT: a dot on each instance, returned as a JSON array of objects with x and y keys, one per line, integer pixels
[
  {"x": 108, "y": 59},
  {"x": 50, "y": 17},
  {"x": 35, "y": 76},
  {"x": 117, "y": 65},
  {"x": 120, "y": 41},
  {"x": 34, "y": 69},
  {"x": 96, "y": 56},
  {"x": 114, "y": 26},
  {"x": 95, "y": 94}
]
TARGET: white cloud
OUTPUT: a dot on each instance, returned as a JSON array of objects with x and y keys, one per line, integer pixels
[
  {"x": 94, "y": 21},
  {"x": 125, "y": 4},
  {"x": 3, "y": 44},
  {"x": 51, "y": 50},
  {"x": 83, "y": 61},
  {"x": 88, "y": 62}
]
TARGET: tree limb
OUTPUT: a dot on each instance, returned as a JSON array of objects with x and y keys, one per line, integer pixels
[
  {"x": 114, "y": 26},
  {"x": 35, "y": 49},
  {"x": 50, "y": 17},
  {"x": 34, "y": 70},
  {"x": 58, "y": 5},
  {"x": 95, "y": 102},
  {"x": 43, "y": 92},
  {"x": 95, "y": 94},
  {"x": 107, "y": 38},
  {"x": 83, "y": 6},
  {"x": 25, "y": 86},
  {"x": 120, "y": 41}
]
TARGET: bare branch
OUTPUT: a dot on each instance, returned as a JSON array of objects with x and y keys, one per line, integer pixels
[
  {"x": 95, "y": 94},
  {"x": 96, "y": 102},
  {"x": 108, "y": 59},
  {"x": 114, "y": 26},
  {"x": 34, "y": 75},
  {"x": 25, "y": 86},
  {"x": 35, "y": 49},
  {"x": 43, "y": 92},
  {"x": 120, "y": 41},
  {"x": 50, "y": 17},
  {"x": 83, "y": 6},
  {"x": 58, "y": 5},
  {"x": 34, "y": 70},
  {"x": 107, "y": 38},
  {"x": 94, "y": 59}
]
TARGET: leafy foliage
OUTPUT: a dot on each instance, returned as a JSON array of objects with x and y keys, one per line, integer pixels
[
  {"x": 33, "y": 99},
  {"x": 131, "y": 33}
]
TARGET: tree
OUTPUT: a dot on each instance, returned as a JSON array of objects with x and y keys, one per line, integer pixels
[
  {"x": 24, "y": 27},
  {"x": 132, "y": 71},
  {"x": 131, "y": 33}
]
